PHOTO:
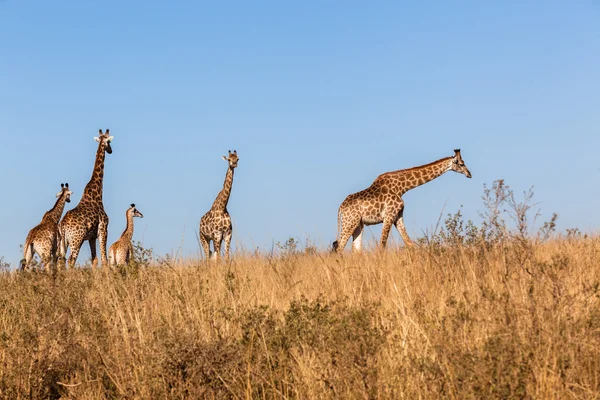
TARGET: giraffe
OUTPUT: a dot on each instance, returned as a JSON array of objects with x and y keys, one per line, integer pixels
[
  {"x": 382, "y": 201},
  {"x": 43, "y": 238},
  {"x": 121, "y": 251},
  {"x": 216, "y": 225},
  {"x": 88, "y": 220}
]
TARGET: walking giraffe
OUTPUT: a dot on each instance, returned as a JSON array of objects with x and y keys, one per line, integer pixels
[
  {"x": 382, "y": 201},
  {"x": 88, "y": 220},
  {"x": 43, "y": 239},
  {"x": 121, "y": 251},
  {"x": 216, "y": 225}
]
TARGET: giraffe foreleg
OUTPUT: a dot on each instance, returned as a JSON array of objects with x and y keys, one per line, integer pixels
[
  {"x": 227, "y": 240},
  {"x": 129, "y": 255},
  {"x": 385, "y": 232},
  {"x": 102, "y": 237},
  {"x": 75, "y": 248},
  {"x": 348, "y": 226},
  {"x": 402, "y": 229}
]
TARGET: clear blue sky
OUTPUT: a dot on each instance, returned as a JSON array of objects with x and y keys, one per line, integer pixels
[{"x": 318, "y": 98}]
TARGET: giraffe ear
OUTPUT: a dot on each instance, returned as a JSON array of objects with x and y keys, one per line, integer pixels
[
  {"x": 110, "y": 138},
  {"x": 224, "y": 158},
  {"x": 97, "y": 139}
]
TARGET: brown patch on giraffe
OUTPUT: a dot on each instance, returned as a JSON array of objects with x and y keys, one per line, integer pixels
[
  {"x": 44, "y": 238},
  {"x": 88, "y": 220}
]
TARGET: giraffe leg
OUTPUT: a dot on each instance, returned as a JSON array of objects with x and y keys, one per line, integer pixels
[
  {"x": 102, "y": 236},
  {"x": 112, "y": 256},
  {"x": 62, "y": 250},
  {"x": 54, "y": 251},
  {"x": 349, "y": 226},
  {"x": 227, "y": 240},
  {"x": 43, "y": 249},
  {"x": 217, "y": 243},
  {"x": 205, "y": 245},
  {"x": 129, "y": 256},
  {"x": 75, "y": 248},
  {"x": 385, "y": 232},
  {"x": 93, "y": 251},
  {"x": 46, "y": 260},
  {"x": 357, "y": 237},
  {"x": 402, "y": 229}
]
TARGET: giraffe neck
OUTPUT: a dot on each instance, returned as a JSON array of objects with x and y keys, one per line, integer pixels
[
  {"x": 406, "y": 179},
  {"x": 223, "y": 196},
  {"x": 55, "y": 212},
  {"x": 93, "y": 190},
  {"x": 128, "y": 232}
]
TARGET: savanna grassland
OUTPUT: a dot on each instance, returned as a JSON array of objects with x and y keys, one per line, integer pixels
[{"x": 498, "y": 310}]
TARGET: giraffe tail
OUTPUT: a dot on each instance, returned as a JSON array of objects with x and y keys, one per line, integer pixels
[
  {"x": 27, "y": 254},
  {"x": 335, "y": 244}
]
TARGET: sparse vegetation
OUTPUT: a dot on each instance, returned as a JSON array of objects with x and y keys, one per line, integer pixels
[{"x": 496, "y": 310}]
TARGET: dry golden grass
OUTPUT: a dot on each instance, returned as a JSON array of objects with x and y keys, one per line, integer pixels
[{"x": 478, "y": 321}]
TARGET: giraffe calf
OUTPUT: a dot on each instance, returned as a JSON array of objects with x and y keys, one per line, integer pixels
[
  {"x": 121, "y": 251},
  {"x": 43, "y": 239}
]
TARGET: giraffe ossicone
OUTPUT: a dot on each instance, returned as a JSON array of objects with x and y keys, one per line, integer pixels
[
  {"x": 382, "y": 201},
  {"x": 216, "y": 225}
]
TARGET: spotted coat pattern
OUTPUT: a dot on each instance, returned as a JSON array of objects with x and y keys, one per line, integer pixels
[
  {"x": 88, "y": 220},
  {"x": 43, "y": 239},
  {"x": 382, "y": 201},
  {"x": 121, "y": 251},
  {"x": 215, "y": 225}
]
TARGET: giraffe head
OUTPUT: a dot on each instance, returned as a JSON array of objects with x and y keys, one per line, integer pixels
[
  {"x": 458, "y": 164},
  {"x": 104, "y": 139},
  {"x": 64, "y": 190},
  {"x": 232, "y": 159},
  {"x": 134, "y": 211}
]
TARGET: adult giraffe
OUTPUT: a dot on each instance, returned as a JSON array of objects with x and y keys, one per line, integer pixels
[
  {"x": 88, "y": 221},
  {"x": 215, "y": 225},
  {"x": 382, "y": 201}
]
